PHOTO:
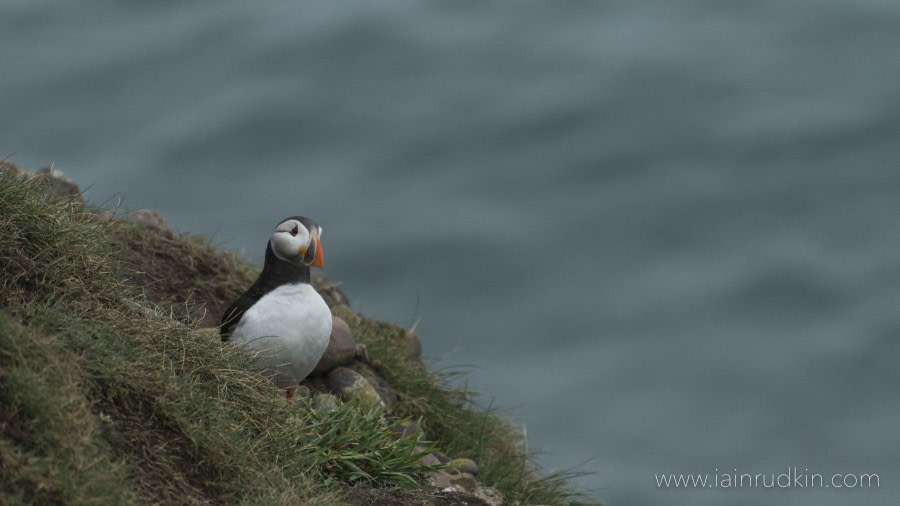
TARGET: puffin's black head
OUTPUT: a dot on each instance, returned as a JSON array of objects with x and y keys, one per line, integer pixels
[{"x": 296, "y": 240}]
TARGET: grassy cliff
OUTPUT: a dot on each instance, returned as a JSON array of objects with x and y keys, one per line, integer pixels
[{"x": 115, "y": 390}]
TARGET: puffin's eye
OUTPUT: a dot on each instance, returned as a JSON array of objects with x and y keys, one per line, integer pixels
[{"x": 294, "y": 231}]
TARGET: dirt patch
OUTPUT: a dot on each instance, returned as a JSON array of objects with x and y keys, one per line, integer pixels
[{"x": 366, "y": 496}]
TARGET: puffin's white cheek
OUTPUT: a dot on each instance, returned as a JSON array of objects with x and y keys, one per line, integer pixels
[{"x": 282, "y": 247}]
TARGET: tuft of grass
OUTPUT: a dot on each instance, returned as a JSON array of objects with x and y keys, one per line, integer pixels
[{"x": 358, "y": 446}]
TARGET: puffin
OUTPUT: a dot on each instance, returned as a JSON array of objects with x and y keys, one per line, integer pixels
[{"x": 281, "y": 318}]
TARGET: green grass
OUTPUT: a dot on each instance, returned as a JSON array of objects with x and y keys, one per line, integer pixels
[{"x": 112, "y": 394}]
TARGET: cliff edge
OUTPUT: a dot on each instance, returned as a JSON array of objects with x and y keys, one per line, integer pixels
[{"x": 116, "y": 389}]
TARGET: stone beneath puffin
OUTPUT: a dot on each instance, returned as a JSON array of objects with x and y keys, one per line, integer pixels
[{"x": 341, "y": 347}]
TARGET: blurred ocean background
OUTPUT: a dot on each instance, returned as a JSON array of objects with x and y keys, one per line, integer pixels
[{"x": 666, "y": 235}]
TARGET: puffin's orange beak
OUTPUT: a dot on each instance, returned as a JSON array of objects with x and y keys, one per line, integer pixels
[{"x": 315, "y": 256}]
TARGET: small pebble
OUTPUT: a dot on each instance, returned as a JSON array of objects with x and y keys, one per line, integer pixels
[
  {"x": 429, "y": 460},
  {"x": 325, "y": 402},
  {"x": 464, "y": 481},
  {"x": 408, "y": 429},
  {"x": 442, "y": 457},
  {"x": 490, "y": 495},
  {"x": 464, "y": 466},
  {"x": 441, "y": 480},
  {"x": 152, "y": 219}
]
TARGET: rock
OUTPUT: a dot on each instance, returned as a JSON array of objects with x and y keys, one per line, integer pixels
[
  {"x": 490, "y": 495},
  {"x": 349, "y": 384},
  {"x": 464, "y": 481},
  {"x": 329, "y": 291},
  {"x": 464, "y": 466},
  {"x": 324, "y": 402},
  {"x": 152, "y": 219},
  {"x": 58, "y": 183},
  {"x": 53, "y": 180},
  {"x": 442, "y": 457},
  {"x": 302, "y": 392},
  {"x": 384, "y": 389},
  {"x": 316, "y": 384},
  {"x": 408, "y": 429},
  {"x": 341, "y": 347},
  {"x": 440, "y": 479},
  {"x": 429, "y": 460}
]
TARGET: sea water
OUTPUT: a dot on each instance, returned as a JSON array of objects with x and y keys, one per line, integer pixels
[{"x": 664, "y": 235}]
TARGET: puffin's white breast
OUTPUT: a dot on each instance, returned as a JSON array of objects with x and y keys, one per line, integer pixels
[{"x": 289, "y": 328}]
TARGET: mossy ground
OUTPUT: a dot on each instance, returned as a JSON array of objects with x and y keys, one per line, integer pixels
[{"x": 111, "y": 393}]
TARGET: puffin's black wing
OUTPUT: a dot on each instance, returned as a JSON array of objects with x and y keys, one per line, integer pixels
[{"x": 233, "y": 315}]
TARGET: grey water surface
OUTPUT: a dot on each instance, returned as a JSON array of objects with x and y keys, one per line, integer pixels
[{"x": 666, "y": 234}]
